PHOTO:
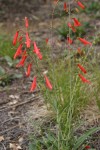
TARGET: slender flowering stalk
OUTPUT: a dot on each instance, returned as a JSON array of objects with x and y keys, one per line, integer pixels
[
  {"x": 18, "y": 52},
  {"x": 26, "y": 22},
  {"x": 82, "y": 68},
  {"x": 84, "y": 41},
  {"x": 81, "y": 5},
  {"x": 84, "y": 79},
  {"x": 48, "y": 84},
  {"x": 15, "y": 38},
  {"x": 76, "y": 22},
  {"x": 28, "y": 40},
  {"x": 33, "y": 85},
  {"x": 28, "y": 70}
]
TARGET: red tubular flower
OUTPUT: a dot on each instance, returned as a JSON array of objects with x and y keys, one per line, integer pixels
[
  {"x": 15, "y": 38},
  {"x": 27, "y": 40},
  {"x": 76, "y": 22},
  {"x": 28, "y": 70},
  {"x": 84, "y": 79},
  {"x": 39, "y": 56},
  {"x": 80, "y": 4},
  {"x": 46, "y": 40},
  {"x": 20, "y": 39},
  {"x": 33, "y": 85},
  {"x": 37, "y": 51},
  {"x": 72, "y": 27},
  {"x": 18, "y": 52},
  {"x": 48, "y": 84},
  {"x": 82, "y": 68},
  {"x": 65, "y": 7},
  {"x": 84, "y": 41},
  {"x": 69, "y": 40},
  {"x": 21, "y": 63},
  {"x": 87, "y": 147},
  {"x": 26, "y": 22}
]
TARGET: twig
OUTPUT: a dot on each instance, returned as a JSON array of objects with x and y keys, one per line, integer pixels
[
  {"x": 30, "y": 99},
  {"x": 2, "y": 132},
  {"x": 22, "y": 103},
  {"x": 10, "y": 120},
  {"x": 3, "y": 145}
]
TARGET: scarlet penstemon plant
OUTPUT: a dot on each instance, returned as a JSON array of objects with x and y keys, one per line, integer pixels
[
  {"x": 68, "y": 91},
  {"x": 29, "y": 55}
]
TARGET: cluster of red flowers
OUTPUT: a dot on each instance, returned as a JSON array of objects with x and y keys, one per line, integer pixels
[
  {"x": 24, "y": 54},
  {"x": 73, "y": 26},
  {"x": 27, "y": 44}
]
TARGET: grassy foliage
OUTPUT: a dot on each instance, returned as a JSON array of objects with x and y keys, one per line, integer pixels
[{"x": 6, "y": 46}]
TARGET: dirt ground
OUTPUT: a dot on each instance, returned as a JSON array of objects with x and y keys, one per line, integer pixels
[{"x": 19, "y": 107}]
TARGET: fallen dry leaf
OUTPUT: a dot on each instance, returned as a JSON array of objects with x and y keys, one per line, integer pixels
[
  {"x": 13, "y": 102},
  {"x": 1, "y": 138},
  {"x": 14, "y": 146}
]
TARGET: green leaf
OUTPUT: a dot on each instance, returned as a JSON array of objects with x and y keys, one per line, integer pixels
[
  {"x": 18, "y": 76},
  {"x": 2, "y": 71},
  {"x": 9, "y": 60},
  {"x": 81, "y": 139}
]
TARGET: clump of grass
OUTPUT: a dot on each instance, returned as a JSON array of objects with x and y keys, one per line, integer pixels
[
  {"x": 6, "y": 46},
  {"x": 68, "y": 98},
  {"x": 97, "y": 39}
]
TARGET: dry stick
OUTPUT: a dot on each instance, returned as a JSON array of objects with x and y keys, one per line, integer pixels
[
  {"x": 31, "y": 99},
  {"x": 3, "y": 145},
  {"x": 10, "y": 120},
  {"x": 22, "y": 103},
  {"x": 2, "y": 132}
]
